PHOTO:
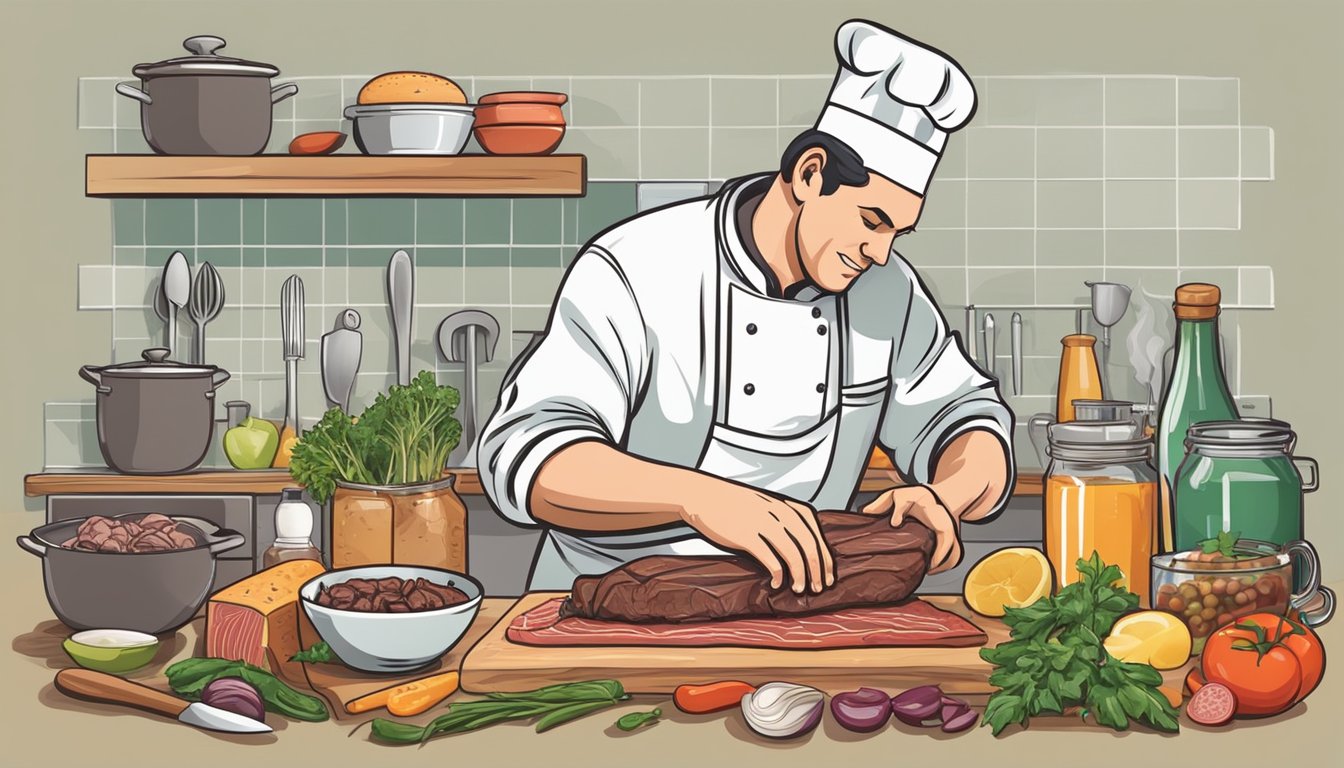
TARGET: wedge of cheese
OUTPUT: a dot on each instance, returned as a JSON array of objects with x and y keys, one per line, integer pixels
[{"x": 256, "y": 620}]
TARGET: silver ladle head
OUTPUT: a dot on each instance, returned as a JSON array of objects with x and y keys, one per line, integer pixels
[{"x": 1109, "y": 302}]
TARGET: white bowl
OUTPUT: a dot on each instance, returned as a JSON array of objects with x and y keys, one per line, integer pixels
[
  {"x": 391, "y": 642},
  {"x": 411, "y": 129}
]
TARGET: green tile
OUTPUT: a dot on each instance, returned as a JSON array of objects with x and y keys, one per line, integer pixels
[
  {"x": 1141, "y": 153},
  {"x": 604, "y": 101},
  {"x": 1000, "y": 285},
  {"x": 128, "y": 255},
  {"x": 381, "y": 222},
  {"x": 219, "y": 221},
  {"x": 1257, "y": 152},
  {"x": 613, "y": 153},
  {"x": 438, "y": 257},
  {"x": 368, "y": 284},
  {"x": 743, "y": 101},
  {"x": 1000, "y": 247},
  {"x": 1140, "y": 204},
  {"x": 999, "y": 204},
  {"x": 97, "y": 102},
  {"x": 294, "y": 257},
  {"x": 569, "y": 208},
  {"x": 1140, "y": 101},
  {"x": 130, "y": 141},
  {"x": 1214, "y": 204},
  {"x": 1216, "y": 248},
  {"x": 440, "y": 284},
  {"x": 801, "y": 99},
  {"x": 674, "y": 154},
  {"x": 1068, "y": 203},
  {"x": 335, "y": 256},
  {"x": 740, "y": 151},
  {"x": 674, "y": 102},
  {"x": 488, "y": 221},
  {"x": 535, "y": 257},
  {"x": 170, "y": 221},
  {"x": 1069, "y": 153},
  {"x": 128, "y": 222},
  {"x": 1141, "y": 247},
  {"x": 605, "y": 204},
  {"x": 485, "y": 285},
  {"x": 944, "y": 205},
  {"x": 1208, "y": 101},
  {"x": 537, "y": 221},
  {"x": 934, "y": 248},
  {"x": 334, "y": 222},
  {"x": 1001, "y": 153},
  {"x": 438, "y": 221},
  {"x": 487, "y": 257},
  {"x": 228, "y": 324},
  {"x": 254, "y": 221},
  {"x": 335, "y": 280},
  {"x": 231, "y": 256},
  {"x": 535, "y": 286},
  {"x": 1210, "y": 152},
  {"x": 293, "y": 222},
  {"x": 368, "y": 257},
  {"x": 254, "y": 257},
  {"x": 1064, "y": 285}
]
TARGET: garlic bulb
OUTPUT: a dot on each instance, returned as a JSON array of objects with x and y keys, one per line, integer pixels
[{"x": 783, "y": 710}]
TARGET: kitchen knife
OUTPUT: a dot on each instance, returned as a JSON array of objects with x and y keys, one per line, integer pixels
[
  {"x": 99, "y": 686},
  {"x": 342, "y": 348},
  {"x": 1016, "y": 328},
  {"x": 400, "y": 294}
]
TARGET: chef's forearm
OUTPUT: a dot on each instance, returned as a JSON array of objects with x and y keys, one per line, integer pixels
[
  {"x": 592, "y": 486},
  {"x": 971, "y": 474}
]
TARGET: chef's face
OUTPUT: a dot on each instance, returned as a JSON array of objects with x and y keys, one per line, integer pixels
[{"x": 841, "y": 235}]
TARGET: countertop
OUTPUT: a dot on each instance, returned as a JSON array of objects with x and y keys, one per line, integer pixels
[{"x": 48, "y": 729}]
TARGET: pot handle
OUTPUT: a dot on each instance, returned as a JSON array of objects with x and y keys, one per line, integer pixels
[
  {"x": 90, "y": 373},
  {"x": 218, "y": 378},
  {"x": 130, "y": 91},
  {"x": 281, "y": 92},
  {"x": 32, "y": 545},
  {"x": 1313, "y": 482},
  {"x": 224, "y": 540},
  {"x": 1306, "y": 555}
]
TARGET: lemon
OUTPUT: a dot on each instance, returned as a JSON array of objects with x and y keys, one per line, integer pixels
[
  {"x": 1150, "y": 637},
  {"x": 1009, "y": 578}
]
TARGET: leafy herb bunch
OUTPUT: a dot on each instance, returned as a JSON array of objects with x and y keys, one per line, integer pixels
[
  {"x": 1055, "y": 659},
  {"x": 403, "y": 437}
]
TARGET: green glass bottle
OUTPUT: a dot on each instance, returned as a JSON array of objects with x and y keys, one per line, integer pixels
[{"x": 1196, "y": 391}]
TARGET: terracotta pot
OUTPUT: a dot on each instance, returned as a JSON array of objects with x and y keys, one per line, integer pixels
[
  {"x": 529, "y": 97},
  {"x": 423, "y": 524},
  {"x": 519, "y": 113},
  {"x": 520, "y": 139}
]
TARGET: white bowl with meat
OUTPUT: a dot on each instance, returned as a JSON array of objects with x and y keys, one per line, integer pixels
[{"x": 391, "y": 618}]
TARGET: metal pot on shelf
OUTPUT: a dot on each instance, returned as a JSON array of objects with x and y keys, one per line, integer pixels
[
  {"x": 155, "y": 416},
  {"x": 205, "y": 103}
]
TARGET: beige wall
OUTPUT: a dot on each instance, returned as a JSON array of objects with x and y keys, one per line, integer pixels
[{"x": 1286, "y": 54}]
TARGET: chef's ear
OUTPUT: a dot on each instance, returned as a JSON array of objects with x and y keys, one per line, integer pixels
[{"x": 807, "y": 177}]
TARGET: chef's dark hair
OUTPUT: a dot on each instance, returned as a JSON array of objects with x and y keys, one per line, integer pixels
[{"x": 843, "y": 164}]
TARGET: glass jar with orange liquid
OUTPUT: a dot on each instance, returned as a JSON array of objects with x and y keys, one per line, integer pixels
[{"x": 1101, "y": 494}]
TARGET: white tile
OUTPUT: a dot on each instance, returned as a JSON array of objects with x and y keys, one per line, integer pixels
[
  {"x": 1257, "y": 153},
  {"x": 1211, "y": 204},
  {"x": 1256, "y": 286},
  {"x": 96, "y": 286}
]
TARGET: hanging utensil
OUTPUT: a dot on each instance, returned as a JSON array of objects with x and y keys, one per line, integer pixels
[
  {"x": 970, "y": 330},
  {"x": 161, "y": 310},
  {"x": 989, "y": 344},
  {"x": 467, "y": 337},
  {"x": 89, "y": 685},
  {"x": 1016, "y": 340},
  {"x": 177, "y": 290},
  {"x": 400, "y": 297},
  {"x": 342, "y": 348},
  {"x": 207, "y": 299},
  {"x": 1109, "y": 304},
  {"x": 291, "y": 338}
]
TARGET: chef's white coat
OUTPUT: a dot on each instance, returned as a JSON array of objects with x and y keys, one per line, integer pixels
[{"x": 664, "y": 342}]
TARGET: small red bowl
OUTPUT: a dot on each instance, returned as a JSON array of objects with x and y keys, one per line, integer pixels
[
  {"x": 519, "y": 113},
  {"x": 526, "y": 97},
  {"x": 519, "y": 139}
]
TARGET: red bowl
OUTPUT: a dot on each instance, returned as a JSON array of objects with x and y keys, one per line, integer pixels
[
  {"x": 519, "y": 113},
  {"x": 529, "y": 97},
  {"x": 519, "y": 139}
]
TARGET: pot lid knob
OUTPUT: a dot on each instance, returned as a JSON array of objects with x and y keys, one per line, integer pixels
[
  {"x": 203, "y": 45},
  {"x": 156, "y": 354}
]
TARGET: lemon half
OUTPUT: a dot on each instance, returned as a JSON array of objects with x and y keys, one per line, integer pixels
[{"x": 1009, "y": 578}]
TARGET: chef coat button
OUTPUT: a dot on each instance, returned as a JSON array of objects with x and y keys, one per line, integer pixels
[
  {"x": 816, "y": 311},
  {"x": 750, "y": 389},
  {"x": 821, "y": 330},
  {"x": 751, "y": 329},
  {"x": 821, "y": 388}
]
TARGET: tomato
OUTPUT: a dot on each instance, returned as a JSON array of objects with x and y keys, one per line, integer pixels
[
  {"x": 1252, "y": 657},
  {"x": 1310, "y": 654}
]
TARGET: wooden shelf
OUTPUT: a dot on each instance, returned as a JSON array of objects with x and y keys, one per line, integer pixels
[{"x": 333, "y": 176}]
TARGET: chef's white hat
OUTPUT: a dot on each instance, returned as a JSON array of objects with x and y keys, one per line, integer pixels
[{"x": 894, "y": 101}]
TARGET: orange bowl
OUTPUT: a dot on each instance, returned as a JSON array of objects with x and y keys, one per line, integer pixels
[
  {"x": 519, "y": 113},
  {"x": 519, "y": 139},
  {"x": 528, "y": 97}
]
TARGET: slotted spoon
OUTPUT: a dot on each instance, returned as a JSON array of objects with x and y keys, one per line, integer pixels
[{"x": 207, "y": 299}]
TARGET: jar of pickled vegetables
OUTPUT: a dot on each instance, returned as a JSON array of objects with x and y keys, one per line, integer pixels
[{"x": 1101, "y": 495}]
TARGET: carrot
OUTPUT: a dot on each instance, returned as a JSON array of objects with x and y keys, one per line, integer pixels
[
  {"x": 1194, "y": 681},
  {"x": 409, "y": 699},
  {"x": 711, "y": 697},
  {"x": 1173, "y": 695}
]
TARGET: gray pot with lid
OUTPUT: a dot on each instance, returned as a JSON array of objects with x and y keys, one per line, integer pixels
[
  {"x": 206, "y": 103},
  {"x": 154, "y": 416}
]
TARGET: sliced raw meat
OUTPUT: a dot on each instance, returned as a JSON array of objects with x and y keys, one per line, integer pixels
[
  {"x": 1212, "y": 704},
  {"x": 907, "y": 624}
]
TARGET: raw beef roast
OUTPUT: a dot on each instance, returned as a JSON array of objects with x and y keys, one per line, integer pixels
[{"x": 875, "y": 564}]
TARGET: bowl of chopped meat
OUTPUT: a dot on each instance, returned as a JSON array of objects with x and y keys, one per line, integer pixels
[{"x": 391, "y": 618}]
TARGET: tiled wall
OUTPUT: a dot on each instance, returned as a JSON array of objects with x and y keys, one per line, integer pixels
[{"x": 1058, "y": 181}]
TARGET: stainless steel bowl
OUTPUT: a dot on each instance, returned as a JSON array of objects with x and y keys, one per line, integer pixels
[{"x": 411, "y": 129}]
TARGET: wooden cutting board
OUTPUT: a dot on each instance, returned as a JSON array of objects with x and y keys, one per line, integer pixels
[{"x": 495, "y": 664}]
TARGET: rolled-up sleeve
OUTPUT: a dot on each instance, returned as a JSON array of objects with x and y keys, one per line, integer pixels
[
  {"x": 578, "y": 383},
  {"x": 937, "y": 394}
]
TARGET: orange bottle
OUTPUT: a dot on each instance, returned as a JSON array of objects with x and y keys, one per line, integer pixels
[{"x": 1079, "y": 376}]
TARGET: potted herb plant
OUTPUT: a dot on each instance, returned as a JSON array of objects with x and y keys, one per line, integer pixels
[{"x": 384, "y": 475}]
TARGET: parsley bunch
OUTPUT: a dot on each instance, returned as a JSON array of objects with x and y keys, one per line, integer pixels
[{"x": 1055, "y": 659}]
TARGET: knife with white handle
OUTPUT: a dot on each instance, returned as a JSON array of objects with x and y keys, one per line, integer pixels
[
  {"x": 989, "y": 344},
  {"x": 400, "y": 295},
  {"x": 99, "y": 686}
]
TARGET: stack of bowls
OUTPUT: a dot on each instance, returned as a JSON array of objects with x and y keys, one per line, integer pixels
[{"x": 520, "y": 122}]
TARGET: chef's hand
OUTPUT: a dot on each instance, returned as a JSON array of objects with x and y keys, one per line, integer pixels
[
  {"x": 782, "y": 535},
  {"x": 919, "y": 502}
]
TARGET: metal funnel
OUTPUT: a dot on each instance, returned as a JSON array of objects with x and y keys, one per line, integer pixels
[{"x": 1110, "y": 301}]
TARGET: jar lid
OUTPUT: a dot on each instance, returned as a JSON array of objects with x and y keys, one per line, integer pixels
[
  {"x": 1243, "y": 433},
  {"x": 1103, "y": 410},
  {"x": 1098, "y": 440},
  {"x": 204, "y": 61}
]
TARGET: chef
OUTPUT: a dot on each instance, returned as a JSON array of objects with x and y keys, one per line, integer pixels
[{"x": 715, "y": 371}]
